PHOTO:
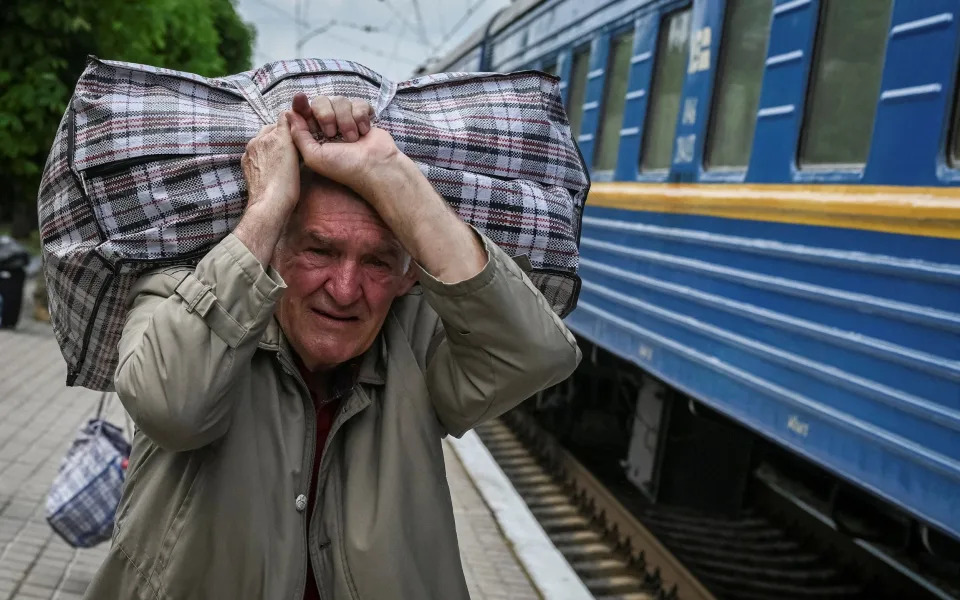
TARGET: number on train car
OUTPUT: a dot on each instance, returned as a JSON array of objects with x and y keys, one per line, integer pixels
[
  {"x": 797, "y": 426},
  {"x": 700, "y": 52}
]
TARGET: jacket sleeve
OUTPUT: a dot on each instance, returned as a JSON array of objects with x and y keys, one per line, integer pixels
[
  {"x": 500, "y": 343},
  {"x": 188, "y": 333}
]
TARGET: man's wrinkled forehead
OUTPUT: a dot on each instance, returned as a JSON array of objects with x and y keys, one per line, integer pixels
[{"x": 327, "y": 209}]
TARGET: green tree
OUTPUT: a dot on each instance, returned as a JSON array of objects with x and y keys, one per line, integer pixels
[{"x": 43, "y": 49}]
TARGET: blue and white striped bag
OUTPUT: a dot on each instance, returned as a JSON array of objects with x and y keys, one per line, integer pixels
[{"x": 86, "y": 491}]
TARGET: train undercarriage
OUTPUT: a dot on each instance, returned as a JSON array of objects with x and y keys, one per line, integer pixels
[{"x": 746, "y": 516}]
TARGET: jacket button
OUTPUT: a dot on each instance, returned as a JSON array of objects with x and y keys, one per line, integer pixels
[{"x": 301, "y": 503}]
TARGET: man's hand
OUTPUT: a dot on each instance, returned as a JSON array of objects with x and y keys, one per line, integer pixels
[
  {"x": 369, "y": 162},
  {"x": 364, "y": 150},
  {"x": 271, "y": 169}
]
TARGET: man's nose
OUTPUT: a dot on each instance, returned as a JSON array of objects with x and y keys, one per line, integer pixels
[{"x": 344, "y": 283}]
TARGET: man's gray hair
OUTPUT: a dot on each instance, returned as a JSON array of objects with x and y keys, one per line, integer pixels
[{"x": 310, "y": 179}]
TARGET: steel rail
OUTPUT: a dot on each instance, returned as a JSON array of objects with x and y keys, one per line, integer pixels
[{"x": 673, "y": 576}]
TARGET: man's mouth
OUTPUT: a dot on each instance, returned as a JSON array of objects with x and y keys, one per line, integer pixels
[{"x": 334, "y": 316}]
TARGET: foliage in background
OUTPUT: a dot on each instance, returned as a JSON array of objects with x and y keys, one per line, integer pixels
[{"x": 43, "y": 49}]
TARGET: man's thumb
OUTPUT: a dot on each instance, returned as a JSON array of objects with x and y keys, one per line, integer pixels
[{"x": 297, "y": 128}]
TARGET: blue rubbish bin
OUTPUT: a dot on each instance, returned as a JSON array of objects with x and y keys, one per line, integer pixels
[{"x": 14, "y": 259}]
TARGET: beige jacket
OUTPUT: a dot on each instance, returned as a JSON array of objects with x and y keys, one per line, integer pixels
[{"x": 224, "y": 450}]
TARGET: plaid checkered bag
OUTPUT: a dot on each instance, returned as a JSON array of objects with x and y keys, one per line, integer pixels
[
  {"x": 86, "y": 491},
  {"x": 145, "y": 170}
]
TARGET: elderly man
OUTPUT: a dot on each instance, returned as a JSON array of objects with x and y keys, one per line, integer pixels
[{"x": 292, "y": 390}]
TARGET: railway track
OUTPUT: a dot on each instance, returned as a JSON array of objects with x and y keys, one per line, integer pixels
[
  {"x": 655, "y": 553},
  {"x": 616, "y": 557}
]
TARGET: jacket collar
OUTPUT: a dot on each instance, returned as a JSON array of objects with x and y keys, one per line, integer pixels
[{"x": 372, "y": 362}]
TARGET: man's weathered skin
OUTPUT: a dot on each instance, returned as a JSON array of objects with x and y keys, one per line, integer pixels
[{"x": 343, "y": 268}]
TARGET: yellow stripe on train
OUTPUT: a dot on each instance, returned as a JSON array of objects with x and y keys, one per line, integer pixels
[{"x": 925, "y": 211}]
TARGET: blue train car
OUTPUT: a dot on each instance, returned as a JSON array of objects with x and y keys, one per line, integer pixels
[{"x": 774, "y": 223}]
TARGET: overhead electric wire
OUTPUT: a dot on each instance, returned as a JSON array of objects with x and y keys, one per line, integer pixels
[
  {"x": 419, "y": 15},
  {"x": 371, "y": 50},
  {"x": 396, "y": 42},
  {"x": 306, "y": 24},
  {"x": 453, "y": 30},
  {"x": 264, "y": 56},
  {"x": 406, "y": 23}
]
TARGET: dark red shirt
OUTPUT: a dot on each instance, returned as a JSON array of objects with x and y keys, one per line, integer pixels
[{"x": 326, "y": 412}]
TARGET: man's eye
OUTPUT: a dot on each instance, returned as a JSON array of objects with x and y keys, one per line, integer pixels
[
  {"x": 378, "y": 263},
  {"x": 321, "y": 251}
]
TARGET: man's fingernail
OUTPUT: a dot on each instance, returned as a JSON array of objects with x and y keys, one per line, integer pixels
[{"x": 330, "y": 131}]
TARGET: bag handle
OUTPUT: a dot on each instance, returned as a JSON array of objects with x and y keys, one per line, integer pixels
[
  {"x": 388, "y": 90},
  {"x": 246, "y": 86},
  {"x": 100, "y": 405},
  {"x": 103, "y": 404}
]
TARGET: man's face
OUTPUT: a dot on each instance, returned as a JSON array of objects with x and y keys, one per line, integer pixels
[{"x": 343, "y": 268}]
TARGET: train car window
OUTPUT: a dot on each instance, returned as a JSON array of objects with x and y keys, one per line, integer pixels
[
  {"x": 614, "y": 98},
  {"x": 661, "y": 121},
  {"x": 848, "y": 66},
  {"x": 578, "y": 89},
  {"x": 743, "y": 52}
]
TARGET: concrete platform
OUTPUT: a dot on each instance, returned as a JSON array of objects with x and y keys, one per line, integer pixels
[{"x": 39, "y": 417}]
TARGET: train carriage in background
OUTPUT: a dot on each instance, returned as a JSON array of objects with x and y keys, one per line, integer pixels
[{"x": 772, "y": 236}]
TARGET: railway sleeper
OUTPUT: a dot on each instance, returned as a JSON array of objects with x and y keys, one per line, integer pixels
[
  {"x": 562, "y": 524},
  {"x": 504, "y": 448},
  {"x": 581, "y": 550},
  {"x": 510, "y": 452},
  {"x": 617, "y": 584},
  {"x": 546, "y": 489},
  {"x": 596, "y": 567},
  {"x": 555, "y": 510},
  {"x": 522, "y": 471},
  {"x": 500, "y": 439},
  {"x": 536, "y": 501},
  {"x": 533, "y": 479},
  {"x": 586, "y": 536},
  {"x": 628, "y": 596},
  {"x": 516, "y": 462}
]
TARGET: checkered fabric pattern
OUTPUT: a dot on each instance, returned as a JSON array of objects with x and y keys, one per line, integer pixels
[
  {"x": 145, "y": 170},
  {"x": 86, "y": 491}
]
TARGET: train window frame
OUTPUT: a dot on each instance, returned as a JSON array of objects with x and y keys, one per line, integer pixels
[
  {"x": 952, "y": 147},
  {"x": 717, "y": 87},
  {"x": 852, "y": 168},
  {"x": 585, "y": 49},
  {"x": 614, "y": 35},
  {"x": 552, "y": 60},
  {"x": 644, "y": 171}
]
